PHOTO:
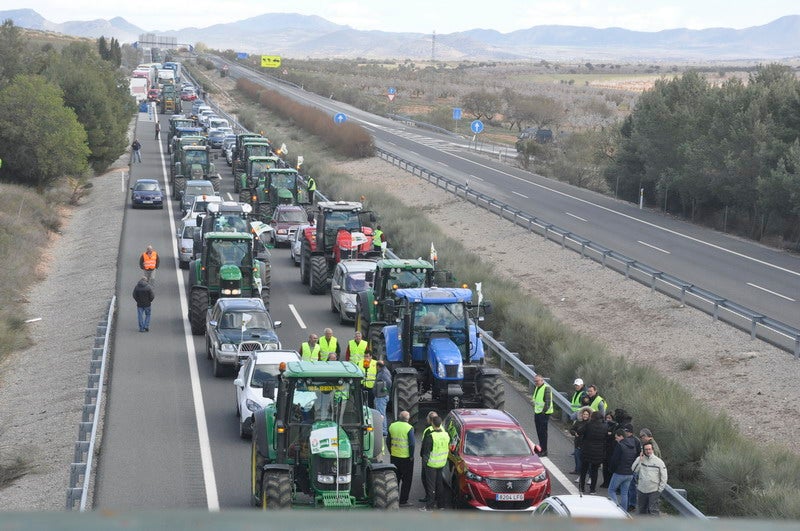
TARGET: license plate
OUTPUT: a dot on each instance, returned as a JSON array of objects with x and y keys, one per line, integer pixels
[
  {"x": 514, "y": 496},
  {"x": 146, "y": 202}
]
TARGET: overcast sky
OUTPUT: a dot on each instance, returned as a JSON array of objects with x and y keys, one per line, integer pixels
[{"x": 442, "y": 16}]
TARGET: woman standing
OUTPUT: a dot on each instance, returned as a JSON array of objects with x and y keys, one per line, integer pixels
[{"x": 593, "y": 450}]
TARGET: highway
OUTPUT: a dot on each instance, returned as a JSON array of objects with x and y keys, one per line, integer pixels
[
  {"x": 764, "y": 279},
  {"x": 170, "y": 437}
]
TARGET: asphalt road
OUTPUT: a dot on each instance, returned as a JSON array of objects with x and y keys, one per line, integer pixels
[{"x": 170, "y": 438}]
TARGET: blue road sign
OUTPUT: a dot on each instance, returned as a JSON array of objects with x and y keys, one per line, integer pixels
[
  {"x": 340, "y": 118},
  {"x": 476, "y": 126},
  {"x": 456, "y": 113},
  {"x": 242, "y": 55},
  {"x": 392, "y": 90}
]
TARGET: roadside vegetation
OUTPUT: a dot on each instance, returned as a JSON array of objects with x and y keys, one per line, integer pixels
[{"x": 725, "y": 473}]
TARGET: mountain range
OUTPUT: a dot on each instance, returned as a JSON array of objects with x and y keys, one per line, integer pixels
[{"x": 301, "y": 36}]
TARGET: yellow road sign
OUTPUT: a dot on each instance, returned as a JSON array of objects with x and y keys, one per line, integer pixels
[{"x": 271, "y": 61}]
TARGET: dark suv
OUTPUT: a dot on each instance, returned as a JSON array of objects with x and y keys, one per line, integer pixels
[{"x": 493, "y": 464}]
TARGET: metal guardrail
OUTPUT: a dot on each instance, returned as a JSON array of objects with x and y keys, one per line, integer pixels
[
  {"x": 758, "y": 325},
  {"x": 80, "y": 470}
]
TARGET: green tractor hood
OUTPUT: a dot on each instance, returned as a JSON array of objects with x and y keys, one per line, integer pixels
[{"x": 230, "y": 272}]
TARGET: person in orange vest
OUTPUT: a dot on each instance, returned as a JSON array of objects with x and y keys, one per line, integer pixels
[{"x": 149, "y": 262}]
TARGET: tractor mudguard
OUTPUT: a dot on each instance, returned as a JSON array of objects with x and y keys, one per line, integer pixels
[
  {"x": 394, "y": 350},
  {"x": 278, "y": 467},
  {"x": 476, "y": 352},
  {"x": 375, "y": 466}
]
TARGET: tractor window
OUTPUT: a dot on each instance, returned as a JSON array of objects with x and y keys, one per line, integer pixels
[
  {"x": 325, "y": 401},
  {"x": 260, "y": 167},
  {"x": 196, "y": 157},
  {"x": 282, "y": 180},
  {"x": 230, "y": 224},
  {"x": 406, "y": 279},
  {"x": 340, "y": 220},
  {"x": 440, "y": 315},
  {"x": 228, "y": 252}
]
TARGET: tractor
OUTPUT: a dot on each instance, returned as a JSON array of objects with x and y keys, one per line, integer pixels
[
  {"x": 175, "y": 123},
  {"x": 227, "y": 216},
  {"x": 338, "y": 234},
  {"x": 193, "y": 162},
  {"x": 433, "y": 347},
  {"x": 255, "y": 169},
  {"x": 318, "y": 444},
  {"x": 250, "y": 147},
  {"x": 275, "y": 186},
  {"x": 226, "y": 268}
]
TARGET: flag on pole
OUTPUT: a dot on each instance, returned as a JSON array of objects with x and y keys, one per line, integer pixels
[
  {"x": 246, "y": 317},
  {"x": 479, "y": 291},
  {"x": 299, "y": 161},
  {"x": 284, "y": 149},
  {"x": 434, "y": 258}
]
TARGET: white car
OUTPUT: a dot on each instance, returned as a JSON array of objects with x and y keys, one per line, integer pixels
[
  {"x": 348, "y": 279},
  {"x": 200, "y": 205},
  {"x": 296, "y": 244},
  {"x": 260, "y": 368},
  {"x": 577, "y": 506},
  {"x": 185, "y": 237}
]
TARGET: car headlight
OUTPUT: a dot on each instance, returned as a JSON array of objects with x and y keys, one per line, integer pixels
[
  {"x": 227, "y": 347},
  {"x": 473, "y": 476},
  {"x": 349, "y": 305},
  {"x": 252, "y": 405},
  {"x": 271, "y": 346},
  {"x": 541, "y": 477}
]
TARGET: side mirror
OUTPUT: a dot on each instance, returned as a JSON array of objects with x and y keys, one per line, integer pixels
[
  {"x": 277, "y": 324},
  {"x": 238, "y": 382},
  {"x": 369, "y": 276},
  {"x": 372, "y": 217},
  {"x": 212, "y": 323},
  {"x": 487, "y": 308}
]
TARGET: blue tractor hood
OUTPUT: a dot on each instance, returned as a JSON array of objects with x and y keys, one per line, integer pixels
[{"x": 443, "y": 350}]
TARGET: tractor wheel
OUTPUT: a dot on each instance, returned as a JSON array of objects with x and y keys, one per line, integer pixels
[
  {"x": 183, "y": 264},
  {"x": 405, "y": 396},
  {"x": 376, "y": 343},
  {"x": 180, "y": 186},
  {"x": 198, "y": 305},
  {"x": 255, "y": 464},
  {"x": 305, "y": 262},
  {"x": 216, "y": 183},
  {"x": 492, "y": 392},
  {"x": 385, "y": 492},
  {"x": 276, "y": 491},
  {"x": 244, "y": 196},
  {"x": 237, "y": 184},
  {"x": 319, "y": 275},
  {"x": 266, "y": 282}
]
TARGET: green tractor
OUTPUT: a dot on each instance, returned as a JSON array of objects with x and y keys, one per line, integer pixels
[
  {"x": 176, "y": 122},
  {"x": 319, "y": 444},
  {"x": 226, "y": 268},
  {"x": 257, "y": 166},
  {"x": 250, "y": 147},
  {"x": 193, "y": 162},
  {"x": 275, "y": 186}
]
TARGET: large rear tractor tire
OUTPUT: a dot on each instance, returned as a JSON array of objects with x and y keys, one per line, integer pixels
[
  {"x": 198, "y": 305},
  {"x": 405, "y": 396},
  {"x": 493, "y": 394},
  {"x": 180, "y": 186},
  {"x": 305, "y": 263},
  {"x": 276, "y": 491},
  {"x": 216, "y": 182},
  {"x": 318, "y": 281},
  {"x": 385, "y": 492},
  {"x": 244, "y": 196}
]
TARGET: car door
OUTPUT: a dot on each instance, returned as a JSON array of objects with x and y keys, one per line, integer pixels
[
  {"x": 244, "y": 376},
  {"x": 337, "y": 285},
  {"x": 453, "y": 429}
]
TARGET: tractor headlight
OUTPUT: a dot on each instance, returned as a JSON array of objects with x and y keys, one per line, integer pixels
[
  {"x": 460, "y": 370},
  {"x": 231, "y": 291},
  {"x": 325, "y": 479},
  {"x": 473, "y": 476},
  {"x": 227, "y": 347},
  {"x": 440, "y": 372},
  {"x": 252, "y": 405},
  {"x": 344, "y": 478},
  {"x": 541, "y": 477}
]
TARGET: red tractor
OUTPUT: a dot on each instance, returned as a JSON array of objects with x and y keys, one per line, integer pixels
[{"x": 338, "y": 234}]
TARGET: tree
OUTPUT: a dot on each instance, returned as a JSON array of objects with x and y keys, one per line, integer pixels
[
  {"x": 481, "y": 104},
  {"x": 12, "y": 52},
  {"x": 102, "y": 48},
  {"x": 48, "y": 140}
]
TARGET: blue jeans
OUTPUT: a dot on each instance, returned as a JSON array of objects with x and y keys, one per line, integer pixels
[
  {"x": 380, "y": 405},
  {"x": 144, "y": 317},
  {"x": 620, "y": 483},
  {"x": 137, "y": 157}
]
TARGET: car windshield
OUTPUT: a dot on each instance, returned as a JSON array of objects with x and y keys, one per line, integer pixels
[
  {"x": 264, "y": 373},
  {"x": 291, "y": 216},
  {"x": 199, "y": 190},
  {"x": 496, "y": 442},
  {"x": 355, "y": 282},
  {"x": 146, "y": 187},
  {"x": 234, "y": 319},
  {"x": 200, "y": 206}
]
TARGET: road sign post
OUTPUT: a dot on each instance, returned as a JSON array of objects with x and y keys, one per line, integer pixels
[
  {"x": 456, "y": 117},
  {"x": 477, "y": 128}
]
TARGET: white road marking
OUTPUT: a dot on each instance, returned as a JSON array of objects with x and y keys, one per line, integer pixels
[
  {"x": 230, "y": 197},
  {"x": 297, "y": 317},
  {"x": 576, "y": 217},
  {"x": 772, "y": 292},
  {"x": 206, "y": 460},
  {"x": 559, "y": 475},
  {"x": 653, "y": 247},
  {"x": 475, "y": 177},
  {"x": 519, "y": 194}
]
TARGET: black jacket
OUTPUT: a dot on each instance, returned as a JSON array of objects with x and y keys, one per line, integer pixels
[
  {"x": 625, "y": 453},
  {"x": 593, "y": 445},
  {"x": 143, "y": 294}
]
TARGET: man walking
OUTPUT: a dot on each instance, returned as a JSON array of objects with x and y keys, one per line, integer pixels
[
  {"x": 356, "y": 349},
  {"x": 158, "y": 130},
  {"x": 401, "y": 451},
  {"x": 542, "y": 409},
  {"x": 328, "y": 344},
  {"x": 143, "y": 295},
  {"x": 311, "y": 185},
  {"x": 149, "y": 262},
  {"x": 136, "y": 147},
  {"x": 651, "y": 480},
  {"x": 310, "y": 350},
  {"x": 435, "y": 447}
]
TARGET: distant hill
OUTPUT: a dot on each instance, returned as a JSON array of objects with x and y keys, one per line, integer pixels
[{"x": 293, "y": 35}]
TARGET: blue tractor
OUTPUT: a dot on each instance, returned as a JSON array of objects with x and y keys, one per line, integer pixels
[{"x": 434, "y": 350}]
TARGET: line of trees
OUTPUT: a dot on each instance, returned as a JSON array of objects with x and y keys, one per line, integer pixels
[{"x": 61, "y": 112}]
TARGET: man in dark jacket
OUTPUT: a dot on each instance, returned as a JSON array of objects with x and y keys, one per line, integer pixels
[
  {"x": 143, "y": 295},
  {"x": 625, "y": 453},
  {"x": 593, "y": 450}
]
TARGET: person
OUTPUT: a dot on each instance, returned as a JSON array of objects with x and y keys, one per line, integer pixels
[
  {"x": 143, "y": 295},
  {"x": 158, "y": 130},
  {"x": 651, "y": 480},
  {"x": 542, "y": 409},
  {"x": 611, "y": 443},
  {"x": 379, "y": 239},
  {"x": 596, "y": 402},
  {"x": 370, "y": 376},
  {"x": 137, "y": 147},
  {"x": 149, "y": 262},
  {"x": 645, "y": 436},
  {"x": 575, "y": 401},
  {"x": 382, "y": 390},
  {"x": 577, "y": 427},
  {"x": 310, "y": 350},
  {"x": 328, "y": 344},
  {"x": 429, "y": 421},
  {"x": 593, "y": 450},
  {"x": 332, "y": 356},
  {"x": 356, "y": 349},
  {"x": 401, "y": 453},
  {"x": 434, "y": 449},
  {"x": 311, "y": 186},
  {"x": 625, "y": 453}
]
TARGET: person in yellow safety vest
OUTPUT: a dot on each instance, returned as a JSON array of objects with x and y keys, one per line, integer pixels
[
  {"x": 542, "y": 409},
  {"x": 434, "y": 451},
  {"x": 356, "y": 348},
  {"x": 378, "y": 238},
  {"x": 575, "y": 401},
  {"x": 311, "y": 186},
  {"x": 310, "y": 350},
  {"x": 370, "y": 376},
  {"x": 328, "y": 344},
  {"x": 596, "y": 402},
  {"x": 401, "y": 451},
  {"x": 429, "y": 421},
  {"x": 149, "y": 262}
]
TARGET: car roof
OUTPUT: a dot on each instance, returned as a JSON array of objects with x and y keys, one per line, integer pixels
[
  {"x": 352, "y": 266},
  {"x": 147, "y": 181},
  {"x": 578, "y": 506},
  {"x": 485, "y": 418},
  {"x": 289, "y": 207},
  {"x": 198, "y": 182},
  {"x": 240, "y": 303},
  {"x": 268, "y": 356}
]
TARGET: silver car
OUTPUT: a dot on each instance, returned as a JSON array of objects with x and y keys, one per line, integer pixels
[
  {"x": 185, "y": 237},
  {"x": 194, "y": 188},
  {"x": 349, "y": 278},
  {"x": 296, "y": 244},
  {"x": 577, "y": 506}
]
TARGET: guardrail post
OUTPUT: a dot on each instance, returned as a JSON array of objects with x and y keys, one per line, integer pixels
[
  {"x": 797, "y": 346},
  {"x": 717, "y": 301},
  {"x": 754, "y": 323},
  {"x": 653, "y": 279},
  {"x": 628, "y": 264},
  {"x": 605, "y": 254},
  {"x": 564, "y": 240}
]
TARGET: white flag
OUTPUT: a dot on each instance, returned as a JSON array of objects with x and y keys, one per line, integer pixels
[
  {"x": 479, "y": 291},
  {"x": 323, "y": 439},
  {"x": 284, "y": 150},
  {"x": 246, "y": 317},
  {"x": 433, "y": 253},
  {"x": 299, "y": 161}
]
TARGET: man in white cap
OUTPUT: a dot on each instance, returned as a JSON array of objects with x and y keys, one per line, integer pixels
[{"x": 575, "y": 402}]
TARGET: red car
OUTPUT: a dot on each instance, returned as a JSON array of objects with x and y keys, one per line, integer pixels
[
  {"x": 493, "y": 464},
  {"x": 154, "y": 94}
]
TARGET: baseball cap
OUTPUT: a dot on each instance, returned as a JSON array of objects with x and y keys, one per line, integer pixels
[{"x": 577, "y": 381}]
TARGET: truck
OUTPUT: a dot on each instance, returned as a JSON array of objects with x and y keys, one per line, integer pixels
[
  {"x": 138, "y": 88},
  {"x": 166, "y": 76},
  {"x": 318, "y": 444},
  {"x": 176, "y": 68},
  {"x": 434, "y": 352}
]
